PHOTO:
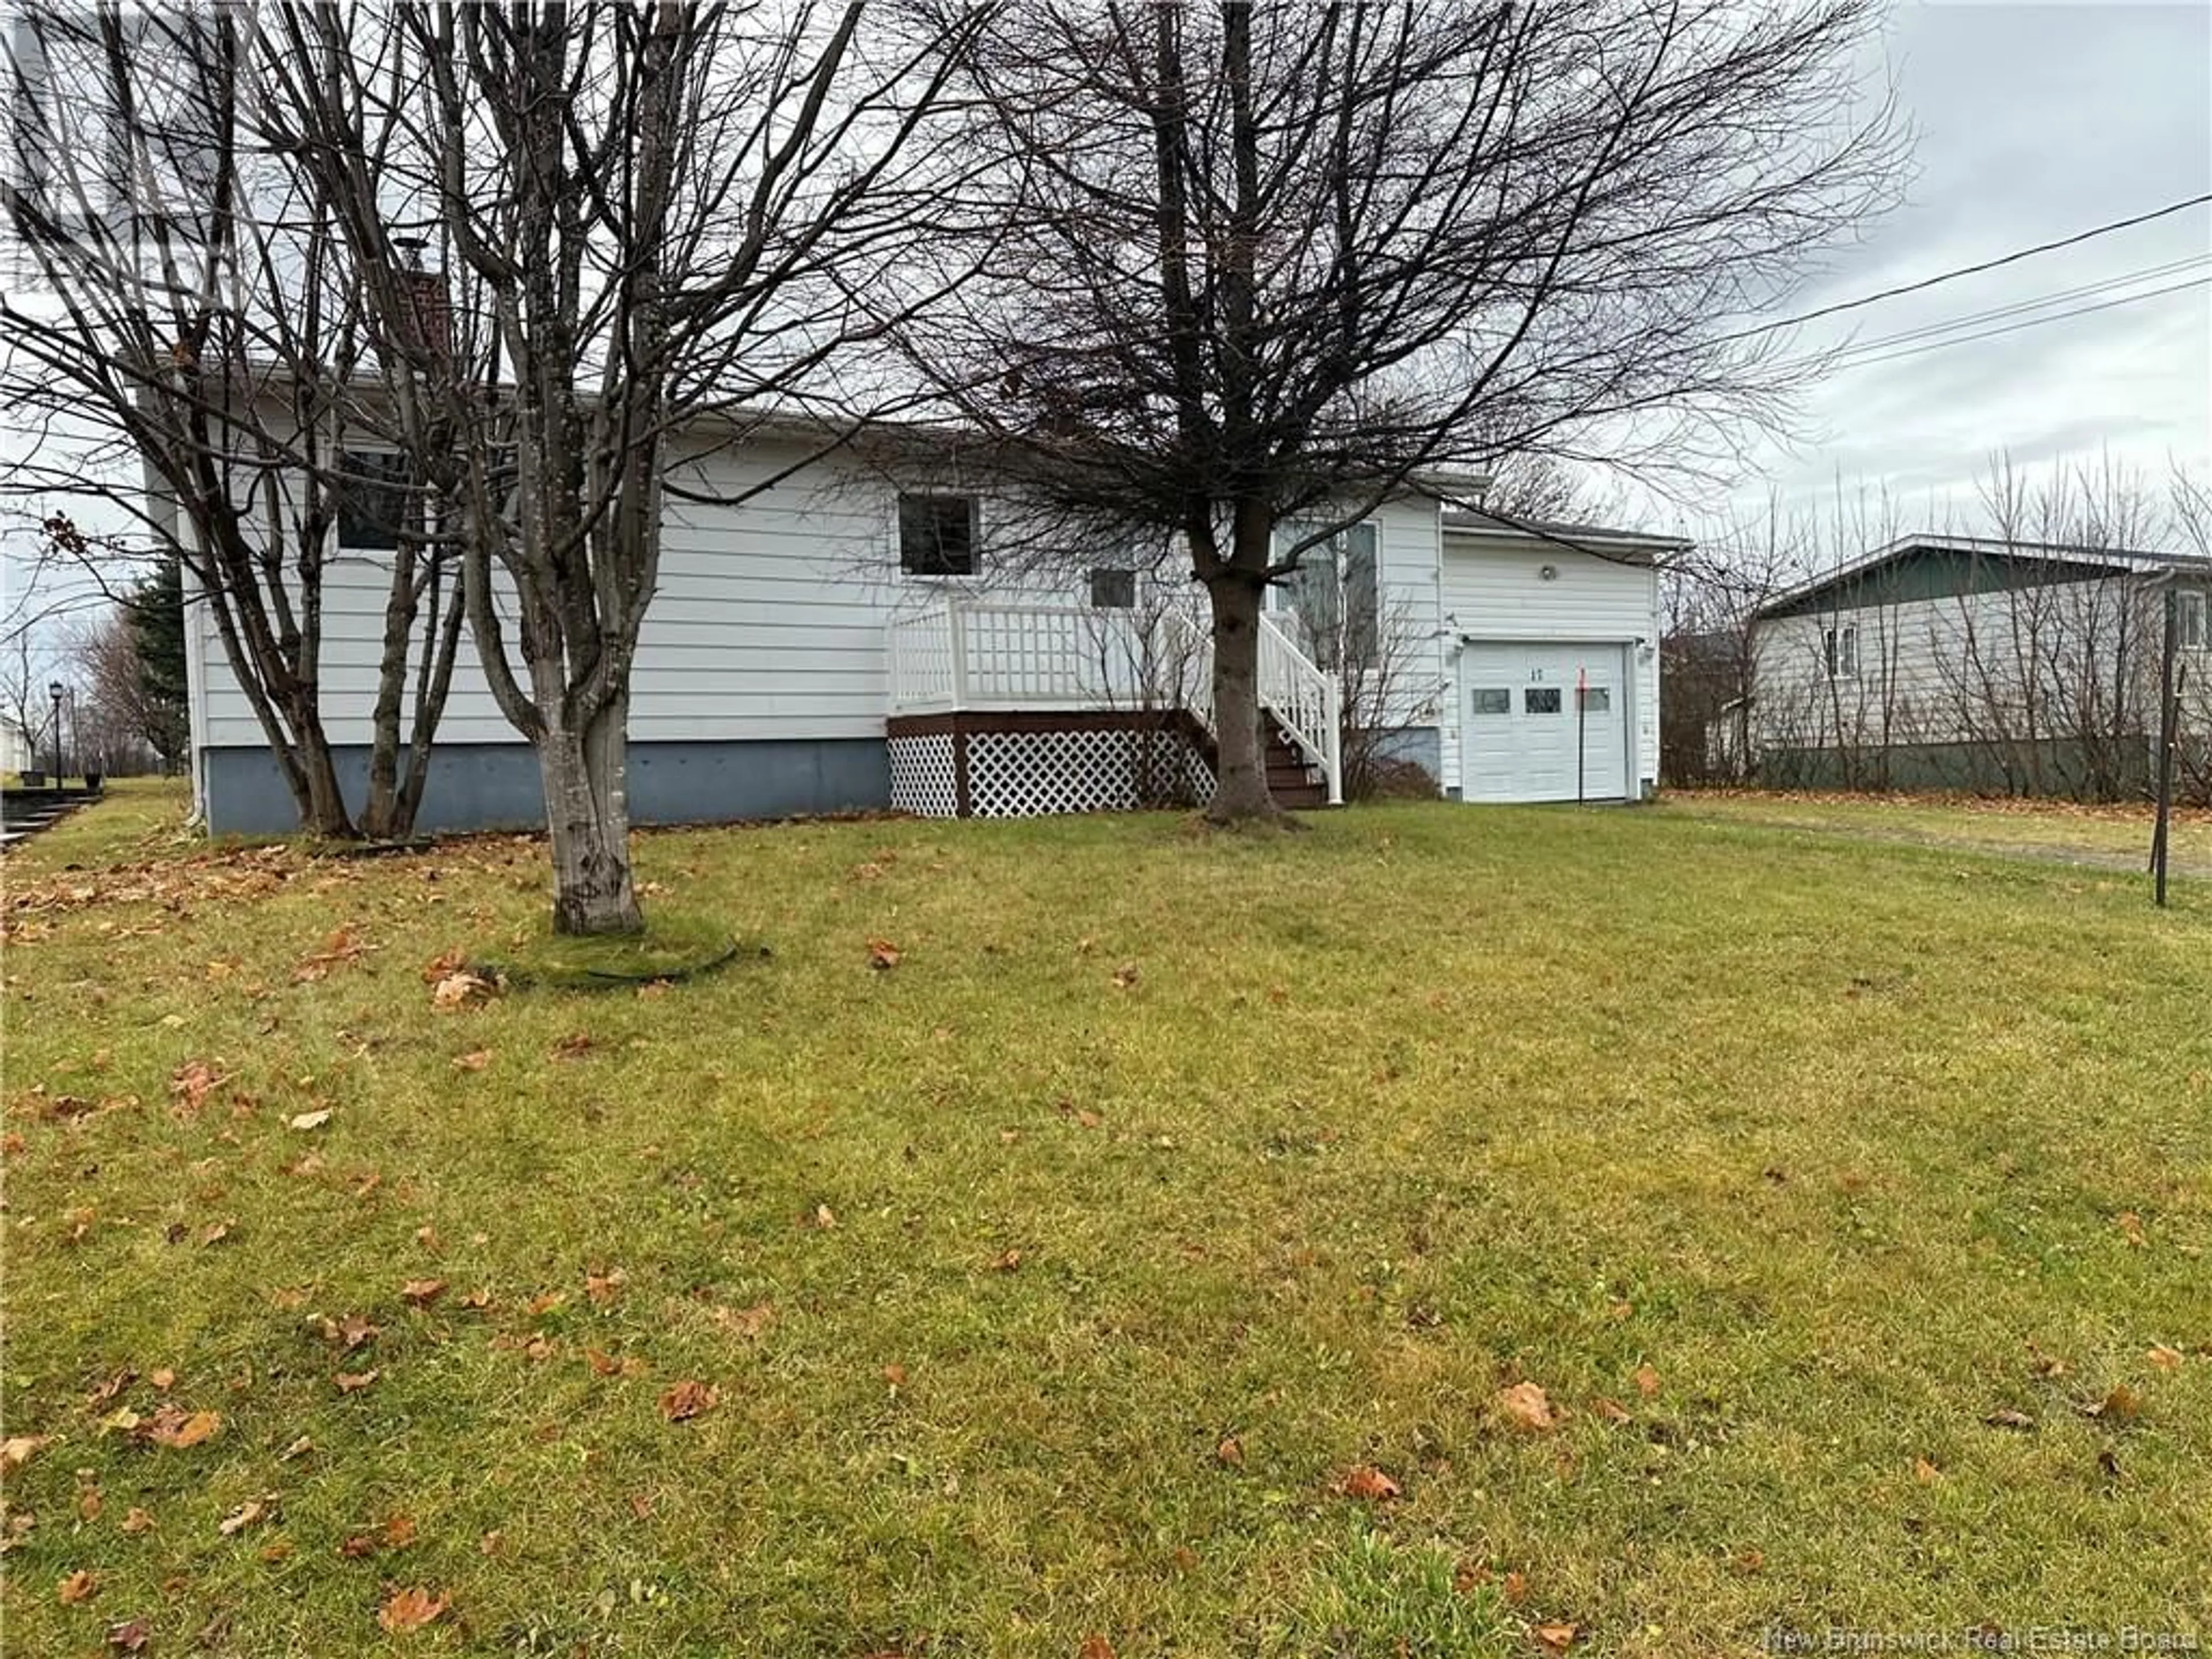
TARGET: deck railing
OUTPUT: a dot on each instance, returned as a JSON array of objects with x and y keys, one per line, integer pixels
[{"x": 954, "y": 653}]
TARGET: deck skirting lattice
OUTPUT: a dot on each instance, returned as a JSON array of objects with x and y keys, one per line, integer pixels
[{"x": 1028, "y": 765}]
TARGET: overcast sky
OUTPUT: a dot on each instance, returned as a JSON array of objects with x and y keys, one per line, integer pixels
[{"x": 2035, "y": 121}]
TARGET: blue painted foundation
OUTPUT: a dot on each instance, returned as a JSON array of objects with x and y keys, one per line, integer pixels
[{"x": 493, "y": 786}]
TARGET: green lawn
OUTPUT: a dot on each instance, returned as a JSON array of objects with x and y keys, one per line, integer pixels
[
  {"x": 2114, "y": 837},
  {"x": 1070, "y": 1278}
]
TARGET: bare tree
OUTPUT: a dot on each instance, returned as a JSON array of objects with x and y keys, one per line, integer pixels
[
  {"x": 186, "y": 344},
  {"x": 1270, "y": 264},
  {"x": 644, "y": 215}
]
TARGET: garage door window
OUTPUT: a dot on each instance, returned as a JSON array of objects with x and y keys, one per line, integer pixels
[
  {"x": 1593, "y": 699},
  {"x": 1541, "y": 700},
  {"x": 1493, "y": 700}
]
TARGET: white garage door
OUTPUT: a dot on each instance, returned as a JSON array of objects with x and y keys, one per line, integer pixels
[{"x": 1543, "y": 721}]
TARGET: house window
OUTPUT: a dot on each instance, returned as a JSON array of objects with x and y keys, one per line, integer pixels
[
  {"x": 2189, "y": 629},
  {"x": 1334, "y": 595},
  {"x": 1114, "y": 590},
  {"x": 378, "y": 502},
  {"x": 1539, "y": 700},
  {"x": 937, "y": 535},
  {"x": 1840, "y": 646},
  {"x": 1593, "y": 699},
  {"x": 1493, "y": 700}
]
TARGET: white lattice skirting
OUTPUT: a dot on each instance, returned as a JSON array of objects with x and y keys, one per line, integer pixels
[{"x": 1031, "y": 774}]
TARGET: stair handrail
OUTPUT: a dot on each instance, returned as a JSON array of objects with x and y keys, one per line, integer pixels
[{"x": 1306, "y": 701}]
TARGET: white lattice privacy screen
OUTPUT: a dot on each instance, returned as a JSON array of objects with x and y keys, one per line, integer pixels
[
  {"x": 922, "y": 779},
  {"x": 1030, "y": 774}
]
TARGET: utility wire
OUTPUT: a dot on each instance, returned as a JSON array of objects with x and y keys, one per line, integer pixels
[
  {"x": 2012, "y": 258},
  {"x": 1849, "y": 361},
  {"x": 2086, "y": 290}
]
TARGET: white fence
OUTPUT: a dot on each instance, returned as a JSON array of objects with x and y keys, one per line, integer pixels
[{"x": 954, "y": 654}]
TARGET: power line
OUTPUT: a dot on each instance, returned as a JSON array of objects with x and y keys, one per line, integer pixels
[
  {"x": 1849, "y": 362},
  {"x": 2012, "y": 258},
  {"x": 2102, "y": 285}
]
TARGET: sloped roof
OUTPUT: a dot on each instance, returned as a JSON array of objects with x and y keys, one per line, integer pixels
[
  {"x": 1620, "y": 545},
  {"x": 2007, "y": 563}
]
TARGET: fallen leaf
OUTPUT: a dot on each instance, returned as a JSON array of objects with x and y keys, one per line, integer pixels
[
  {"x": 686, "y": 1400},
  {"x": 574, "y": 1046},
  {"x": 252, "y": 1512},
  {"x": 136, "y": 1521},
  {"x": 475, "y": 1300},
  {"x": 421, "y": 1292},
  {"x": 79, "y": 1586},
  {"x": 1557, "y": 1637},
  {"x": 162, "y": 1378},
  {"x": 444, "y": 966},
  {"x": 2165, "y": 1358},
  {"x": 354, "y": 1381},
  {"x": 1924, "y": 1472},
  {"x": 410, "y": 1610},
  {"x": 602, "y": 1363},
  {"x": 542, "y": 1304},
  {"x": 460, "y": 989},
  {"x": 1647, "y": 1381},
  {"x": 2131, "y": 1228},
  {"x": 1230, "y": 1451},
  {"x": 1095, "y": 1646},
  {"x": 279, "y": 1551},
  {"x": 894, "y": 1374},
  {"x": 2109, "y": 1461},
  {"x": 1005, "y": 1262},
  {"x": 399, "y": 1532},
  {"x": 128, "y": 1636},
  {"x": 2006, "y": 1418},
  {"x": 89, "y": 1503},
  {"x": 603, "y": 1288},
  {"x": 109, "y": 1389},
  {"x": 1526, "y": 1406},
  {"x": 1611, "y": 1410},
  {"x": 299, "y": 1448},
  {"x": 2120, "y": 1406},
  {"x": 192, "y": 1082},
  {"x": 350, "y": 1332},
  {"x": 19, "y": 1449},
  {"x": 475, "y": 1060},
  {"x": 1516, "y": 1587},
  {"x": 1126, "y": 976},
  {"x": 187, "y": 1432},
  {"x": 641, "y": 1506},
  {"x": 313, "y": 1120},
  {"x": 747, "y": 1321},
  {"x": 1369, "y": 1482},
  {"x": 882, "y": 954},
  {"x": 358, "y": 1547},
  {"x": 825, "y": 1217}
]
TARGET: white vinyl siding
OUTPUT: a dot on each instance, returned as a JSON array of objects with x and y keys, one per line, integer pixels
[{"x": 1494, "y": 589}]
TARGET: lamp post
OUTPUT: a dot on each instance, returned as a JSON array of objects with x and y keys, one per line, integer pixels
[{"x": 54, "y": 690}]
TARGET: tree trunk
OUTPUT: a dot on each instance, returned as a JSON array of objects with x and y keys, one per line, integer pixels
[
  {"x": 1240, "y": 791},
  {"x": 587, "y": 812},
  {"x": 323, "y": 808}
]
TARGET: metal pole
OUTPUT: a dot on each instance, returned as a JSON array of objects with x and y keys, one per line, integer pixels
[
  {"x": 2169, "y": 712},
  {"x": 1582, "y": 727}
]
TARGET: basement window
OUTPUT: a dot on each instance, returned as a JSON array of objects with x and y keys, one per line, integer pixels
[
  {"x": 937, "y": 535},
  {"x": 1840, "y": 647}
]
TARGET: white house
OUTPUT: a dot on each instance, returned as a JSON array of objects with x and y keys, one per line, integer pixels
[
  {"x": 852, "y": 638},
  {"x": 1959, "y": 662},
  {"x": 15, "y": 748}
]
